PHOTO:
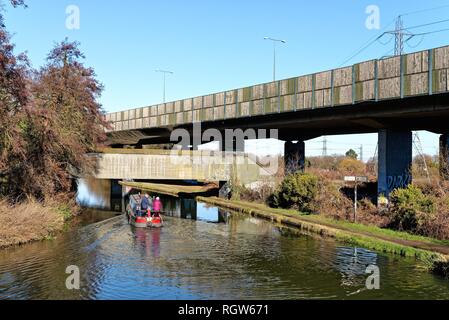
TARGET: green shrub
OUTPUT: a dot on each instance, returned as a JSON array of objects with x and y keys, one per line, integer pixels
[
  {"x": 65, "y": 211},
  {"x": 297, "y": 191},
  {"x": 410, "y": 209}
]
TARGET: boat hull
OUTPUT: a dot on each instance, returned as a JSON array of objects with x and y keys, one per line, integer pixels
[
  {"x": 134, "y": 220},
  {"x": 155, "y": 223},
  {"x": 138, "y": 222}
]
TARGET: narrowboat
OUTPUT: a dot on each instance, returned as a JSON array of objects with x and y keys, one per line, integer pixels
[
  {"x": 136, "y": 219},
  {"x": 133, "y": 212}
]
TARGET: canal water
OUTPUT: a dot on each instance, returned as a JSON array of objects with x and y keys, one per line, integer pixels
[{"x": 205, "y": 253}]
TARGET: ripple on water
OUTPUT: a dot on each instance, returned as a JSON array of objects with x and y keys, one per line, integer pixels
[{"x": 244, "y": 259}]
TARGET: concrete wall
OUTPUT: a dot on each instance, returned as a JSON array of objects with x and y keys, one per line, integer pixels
[{"x": 203, "y": 166}]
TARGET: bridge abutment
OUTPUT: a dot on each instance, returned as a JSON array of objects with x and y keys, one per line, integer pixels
[
  {"x": 294, "y": 156},
  {"x": 395, "y": 160},
  {"x": 444, "y": 156}
]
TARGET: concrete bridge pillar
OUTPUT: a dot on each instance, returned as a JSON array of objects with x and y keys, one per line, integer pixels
[
  {"x": 117, "y": 203},
  {"x": 395, "y": 160},
  {"x": 294, "y": 156},
  {"x": 444, "y": 156}
]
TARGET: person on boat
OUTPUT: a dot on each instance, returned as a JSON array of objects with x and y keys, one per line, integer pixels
[
  {"x": 145, "y": 205},
  {"x": 157, "y": 206},
  {"x": 156, "y": 212}
]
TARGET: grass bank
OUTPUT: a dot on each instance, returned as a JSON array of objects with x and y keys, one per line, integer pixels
[
  {"x": 30, "y": 221},
  {"x": 435, "y": 253}
]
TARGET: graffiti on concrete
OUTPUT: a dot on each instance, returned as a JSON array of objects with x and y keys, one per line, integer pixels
[{"x": 399, "y": 182}]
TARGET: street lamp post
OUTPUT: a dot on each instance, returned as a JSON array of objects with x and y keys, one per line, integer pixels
[
  {"x": 274, "y": 53},
  {"x": 165, "y": 72}
]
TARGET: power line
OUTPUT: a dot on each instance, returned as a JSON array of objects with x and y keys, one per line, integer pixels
[
  {"x": 416, "y": 45},
  {"x": 340, "y": 143},
  {"x": 362, "y": 49},
  {"x": 423, "y": 25},
  {"x": 431, "y": 32},
  {"x": 385, "y": 43},
  {"x": 400, "y": 32},
  {"x": 368, "y": 44},
  {"x": 386, "y": 54},
  {"x": 375, "y": 39},
  {"x": 424, "y": 10},
  {"x": 353, "y": 145}
]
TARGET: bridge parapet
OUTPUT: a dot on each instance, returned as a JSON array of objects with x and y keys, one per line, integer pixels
[{"x": 421, "y": 73}]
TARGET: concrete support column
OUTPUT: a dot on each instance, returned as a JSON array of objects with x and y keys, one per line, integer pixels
[
  {"x": 116, "y": 196},
  {"x": 395, "y": 160},
  {"x": 444, "y": 156},
  {"x": 294, "y": 156}
]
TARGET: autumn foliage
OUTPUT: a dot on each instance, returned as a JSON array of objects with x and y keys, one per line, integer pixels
[{"x": 49, "y": 119}]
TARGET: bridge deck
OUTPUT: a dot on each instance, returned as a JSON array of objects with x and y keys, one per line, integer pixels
[{"x": 417, "y": 74}]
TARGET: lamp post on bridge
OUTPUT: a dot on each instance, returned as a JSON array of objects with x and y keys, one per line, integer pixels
[
  {"x": 165, "y": 72},
  {"x": 274, "y": 53}
]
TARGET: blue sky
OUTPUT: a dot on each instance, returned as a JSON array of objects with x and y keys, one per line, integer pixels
[{"x": 215, "y": 45}]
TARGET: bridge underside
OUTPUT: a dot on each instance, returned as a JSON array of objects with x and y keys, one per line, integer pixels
[
  {"x": 392, "y": 120},
  {"x": 429, "y": 113}
]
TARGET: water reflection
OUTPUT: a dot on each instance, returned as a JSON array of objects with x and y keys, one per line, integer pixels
[
  {"x": 353, "y": 263},
  {"x": 186, "y": 208},
  {"x": 94, "y": 193},
  {"x": 205, "y": 253},
  {"x": 244, "y": 258},
  {"x": 100, "y": 194}
]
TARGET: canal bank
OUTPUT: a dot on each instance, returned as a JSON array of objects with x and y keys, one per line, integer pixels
[
  {"x": 435, "y": 253},
  {"x": 31, "y": 221}
]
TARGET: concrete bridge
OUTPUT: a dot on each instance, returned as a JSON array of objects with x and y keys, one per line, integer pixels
[
  {"x": 164, "y": 165},
  {"x": 391, "y": 97}
]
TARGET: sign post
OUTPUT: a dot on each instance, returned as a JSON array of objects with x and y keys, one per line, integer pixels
[{"x": 356, "y": 181}]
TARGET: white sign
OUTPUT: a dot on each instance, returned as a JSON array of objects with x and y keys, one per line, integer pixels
[{"x": 356, "y": 179}]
